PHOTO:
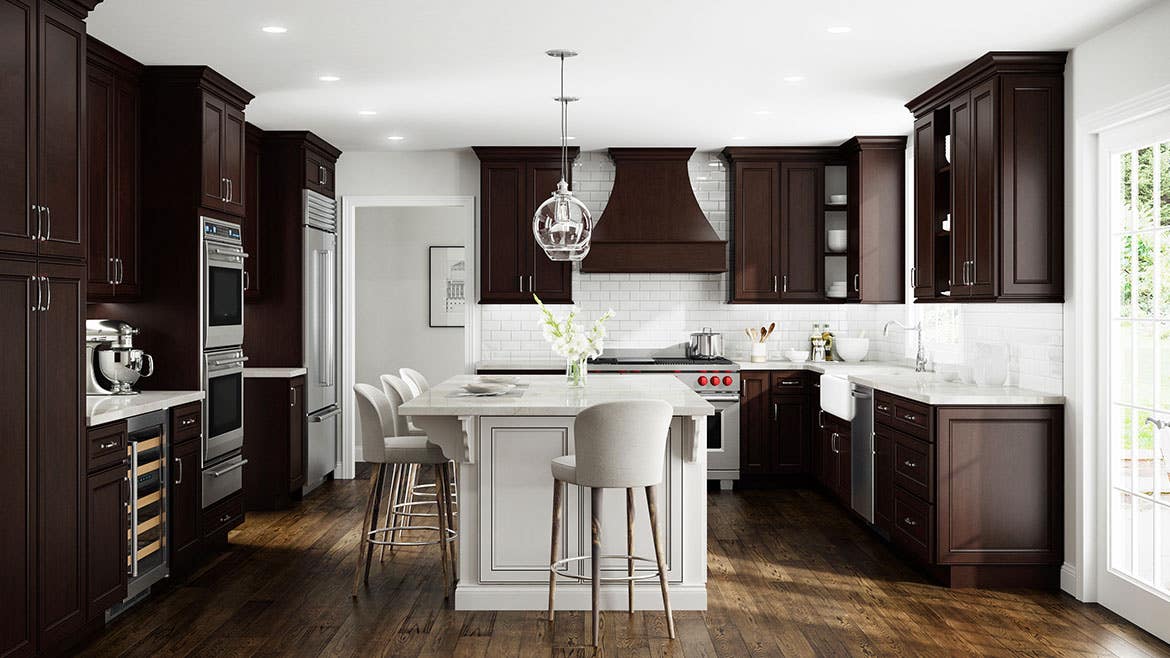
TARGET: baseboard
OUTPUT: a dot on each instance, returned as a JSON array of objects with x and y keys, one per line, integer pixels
[
  {"x": 575, "y": 597},
  {"x": 1068, "y": 580}
]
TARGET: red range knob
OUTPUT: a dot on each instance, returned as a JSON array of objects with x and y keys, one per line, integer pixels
[
  {"x": 702, "y": 380},
  {"x": 727, "y": 380},
  {"x": 715, "y": 380}
]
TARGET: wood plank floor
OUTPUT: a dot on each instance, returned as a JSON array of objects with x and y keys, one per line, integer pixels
[{"x": 790, "y": 575}]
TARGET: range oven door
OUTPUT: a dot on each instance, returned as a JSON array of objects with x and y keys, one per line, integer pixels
[
  {"x": 223, "y": 294},
  {"x": 223, "y": 421},
  {"x": 723, "y": 440}
]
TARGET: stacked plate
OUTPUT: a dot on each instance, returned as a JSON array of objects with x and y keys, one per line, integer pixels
[
  {"x": 489, "y": 385},
  {"x": 836, "y": 290}
]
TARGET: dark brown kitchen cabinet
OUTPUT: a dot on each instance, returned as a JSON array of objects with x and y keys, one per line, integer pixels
[
  {"x": 319, "y": 172},
  {"x": 883, "y": 480},
  {"x": 194, "y": 110},
  {"x": 989, "y": 219},
  {"x": 836, "y": 462},
  {"x": 774, "y": 423},
  {"x": 754, "y": 421},
  {"x": 802, "y": 234},
  {"x": 186, "y": 503},
  {"x": 756, "y": 257},
  {"x": 42, "y": 111},
  {"x": 251, "y": 223},
  {"x": 107, "y": 524},
  {"x": 876, "y": 219},
  {"x": 514, "y": 181},
  {"x": 275, "y": 449},
  {"x": 112, "y": 109}
]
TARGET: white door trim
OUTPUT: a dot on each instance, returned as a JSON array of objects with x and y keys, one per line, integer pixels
[{"x": 349, "y": 207}]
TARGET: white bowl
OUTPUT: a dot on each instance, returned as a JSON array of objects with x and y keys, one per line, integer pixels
[
  {"x": 838, "y": 199},
  {"x": 838, "y": 240},
  {"x": 851, "y": 349},
  {"x": 486, "y": 388},
  {"x": 499, "y": 379},
  {"x": 796, "y": 356}
]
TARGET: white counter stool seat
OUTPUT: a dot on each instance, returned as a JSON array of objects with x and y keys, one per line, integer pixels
[
  {"x": 418, "y": 383},
  {"x": 620, "y": 445},
  {"x": 379, "y": 419}
]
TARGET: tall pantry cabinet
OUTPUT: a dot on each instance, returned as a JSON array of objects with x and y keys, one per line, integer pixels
[{"x": 42, "y": 294}]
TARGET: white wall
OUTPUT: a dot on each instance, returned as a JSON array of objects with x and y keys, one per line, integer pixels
[
  {"x": 408, "y": 173},
  {"x": 391, "y": 321}
]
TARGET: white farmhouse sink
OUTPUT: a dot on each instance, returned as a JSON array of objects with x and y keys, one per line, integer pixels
[{"x": 836, "y": 397}]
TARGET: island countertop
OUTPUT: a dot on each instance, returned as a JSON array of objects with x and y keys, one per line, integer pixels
[{"x": 550, "y": 395}]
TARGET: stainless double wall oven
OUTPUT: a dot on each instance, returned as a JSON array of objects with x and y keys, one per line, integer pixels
[{"x": 223, "y": 283}]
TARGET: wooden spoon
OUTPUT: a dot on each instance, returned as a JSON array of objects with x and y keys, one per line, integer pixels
[
  {"x": 771, "y": 328},
  {"x": 763, "y": 333}
]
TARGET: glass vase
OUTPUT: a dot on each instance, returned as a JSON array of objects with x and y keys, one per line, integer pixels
[{"x": 575, "y": 372}]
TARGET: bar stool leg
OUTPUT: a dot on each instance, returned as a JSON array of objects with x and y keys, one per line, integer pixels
[
  {"x": 656, "y": 530},
  {"x": 554, "y": 554},
  {"x": 374, "y": 520},
  {"x": 442, "y": 524},
  {"x": 395, "y": 480},
  {"x": 630, "y": 546},
  {"x": 595, "y": 509},
  {"x": 362, "y": 536},
  {"x": 449, "y": 546}
]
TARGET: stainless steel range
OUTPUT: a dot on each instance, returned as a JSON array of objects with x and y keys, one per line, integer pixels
[{"x": 716, "y": 380}]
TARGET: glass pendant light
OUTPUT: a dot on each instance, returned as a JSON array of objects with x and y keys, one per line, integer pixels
[{"x": 562, "y": 224}]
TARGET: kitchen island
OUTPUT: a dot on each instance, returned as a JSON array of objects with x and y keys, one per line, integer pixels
[{"x": 503, "y": 446}]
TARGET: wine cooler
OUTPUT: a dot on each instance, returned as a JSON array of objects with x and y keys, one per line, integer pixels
[{"x": 146, "y": 561}]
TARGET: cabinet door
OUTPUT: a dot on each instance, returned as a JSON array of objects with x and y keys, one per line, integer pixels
[
  {"x": 17, "y": 478},
  {"x": 296, "y": 434},
  {"x": 100, "y": 167},
  {"x": 981, "y": 271},
  {"x": 962, "y": 207},
  {"x": 233, "y": 161},
  {"x": 843, "y": 456},
  {"x": 755, "y": 423},
  {"x": 251, "y": 222},
  {"x": 107, "y": 498},
  {"x": 502, "y": 256},
  {"x": 827, "y": 475},
  {"x": 125, "y": 222},
  {"x": 185, "y": 504},
  {"x": 319, "y": 173},
  {"x": 789, "y": 433},
  {"x": 18, "y": 138},
  {"x": 61, "y": 130},
  {"x": 756, "y": 243},
  {"x": 213, "y": 188},
  {"x": 883, "y": 480},
  {"x": 802, "y": 245},
  {"x": 552, "y": 281},
  {"x": 61, "y": 454},
  {"x": 922, "y": 277}
]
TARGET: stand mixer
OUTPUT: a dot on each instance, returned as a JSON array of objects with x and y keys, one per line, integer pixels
[{"x": 113, "y": 364}]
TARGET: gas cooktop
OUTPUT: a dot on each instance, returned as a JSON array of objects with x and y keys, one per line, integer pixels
[{"x": 661, "y": 364}]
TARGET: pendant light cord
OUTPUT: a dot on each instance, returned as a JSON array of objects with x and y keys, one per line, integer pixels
[{"x": 564, "y": 122}]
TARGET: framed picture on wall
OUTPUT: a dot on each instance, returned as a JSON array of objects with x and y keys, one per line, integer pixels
[{"x": 448, "y": 287}]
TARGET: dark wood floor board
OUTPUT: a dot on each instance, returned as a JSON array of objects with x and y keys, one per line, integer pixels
[{"x": 790, "y": 574}]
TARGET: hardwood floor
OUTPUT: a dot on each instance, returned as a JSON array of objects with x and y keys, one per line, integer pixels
[{"x": 790, "y": 574}]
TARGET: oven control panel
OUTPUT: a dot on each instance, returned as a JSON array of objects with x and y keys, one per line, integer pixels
[{"x": 711, "y": 381}]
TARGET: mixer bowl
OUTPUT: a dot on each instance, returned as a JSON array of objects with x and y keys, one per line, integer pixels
[{"x": 124, "y": 366}]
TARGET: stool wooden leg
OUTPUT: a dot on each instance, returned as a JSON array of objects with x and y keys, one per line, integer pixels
[
  {"x": 442, "y": 524},
  {"x": 362, "y": 537},
  {"x": 595, "y": 509},
  {"x": 395, "y": 480},
  {"x": 449, "y": 545},
  {"x": 378, "y": 486},
  {"x": 630, "y": 546},
  {"x": 656, "y": 530},
  {"x": 554, "y": 553}
]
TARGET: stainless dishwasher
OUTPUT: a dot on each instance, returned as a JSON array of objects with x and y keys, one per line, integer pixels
[{"x": 861, "y": 443}]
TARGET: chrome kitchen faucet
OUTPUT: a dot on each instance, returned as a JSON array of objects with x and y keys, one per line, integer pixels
[{"x": 920, "y": 357}]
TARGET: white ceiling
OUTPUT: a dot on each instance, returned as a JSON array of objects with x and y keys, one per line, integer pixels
[{"x": 454, "y": 73}]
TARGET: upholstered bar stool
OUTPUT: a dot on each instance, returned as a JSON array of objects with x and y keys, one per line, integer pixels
[
  {"x": 407, "y": 495},
  {"x": 620, "y": 445},
  {"x": 418, "y": 383},
  {"x": 377, "y": 414}
]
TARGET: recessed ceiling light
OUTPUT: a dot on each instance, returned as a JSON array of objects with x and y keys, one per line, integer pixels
[
  {"x": 839, "y": 29},
  {"x": 396, "y": 138},
  {"x": 274, "y": 29},
  {"x": 329, "y": 78},
  {"x": 367, "y": 113},
  {"x": 762, "y": 113},
  {"x": 794, "y": 78}
]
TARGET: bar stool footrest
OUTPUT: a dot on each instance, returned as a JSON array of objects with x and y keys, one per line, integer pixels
[
  {"x": 564, "y": 563},
  {"x": 451, "y": 536}
]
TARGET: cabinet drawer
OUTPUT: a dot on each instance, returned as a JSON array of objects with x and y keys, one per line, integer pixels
[
  {"x": 224, "y": 515},
  {"x": 186, "y": 422},
  {"x": 913, "y": 466},
  {"x": 913, "y": 524},
  {"x": 883, "y": 407},
  {"x": 106, "y": 445},
  {"x": 319, "y": 174},
  {"x": 912, "y": 418},
  {"x": 792, "y": 382}
]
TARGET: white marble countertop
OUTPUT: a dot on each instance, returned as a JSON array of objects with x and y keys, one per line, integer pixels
[
  {"x": 551, "y": 364},
  {"x": 925, "y": 387},
  {"x": 550, "y": 395},
  {"x": 274, "y": 373},
  {"x": 102, "y": 409}
]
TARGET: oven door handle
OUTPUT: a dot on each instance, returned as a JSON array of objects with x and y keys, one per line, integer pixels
[
  {"x": 235, "y": 253},
  {"x": 230, "y": 362},
  {"x": 317, "y": 418},
  {"x": 720, "y": 398},
  {"x": 229, "y": 469}
]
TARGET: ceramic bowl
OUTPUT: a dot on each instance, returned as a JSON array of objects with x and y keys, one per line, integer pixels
[
  {"x": 851, "y": 349},
  {"x": 796, "y": 356},
  {"x": 838, "y": 199},
  {"x": 838, "y": 240}
]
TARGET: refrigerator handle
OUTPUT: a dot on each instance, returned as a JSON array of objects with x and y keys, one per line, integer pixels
[{"x": 326, "y": 315}]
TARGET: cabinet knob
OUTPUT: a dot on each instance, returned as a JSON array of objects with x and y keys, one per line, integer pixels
[
  {"x": 909, "y": 521},
  {"x": 883, "y": 407},
  {"x": 106, "y": 445},
  {"x": 910, "y": 464},
  {"x": 910, "y": 417}
]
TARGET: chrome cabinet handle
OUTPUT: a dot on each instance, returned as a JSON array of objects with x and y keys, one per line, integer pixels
[
  {"x": 110, "y": 267},
  {"x": 36, "y": 306},
  {"x": 913, "y": 277},
  {"x": 775, "y": 411},
  {"x": 247, "y": 280},
  {"x": 223, "y": 190},
  {"x": 225, "y": 518},
  {"x": 37, "y": 210},
  {"x": 521, "y": 277},
  {"x": 106, "y": 445},
  {"x": 187, "y": 421},
  {"x": 883, "y": 407},
  {"x": 121, "y": 271},
  {"x": 910, "y": 417},
  {"x": 857, "y": 282},
  {"x": 833, "y": 443},
  {"x": 909, "y": 521},
  {"x": 910, "y": 464},
  {"x": 821, "y": 418},
  {"x": 784, "y": 286},
  {"x": 293, "y": 399},
  {"x": 774, "y": 285},
  {"x": 321, "y": 177},
  {"x": 529, "y": 283},
  {"x": 179, "y": 477},
  {"x": 48, "y": 293},
  {"x": 231, "y": 191},
  {"x": 790, "y": 382}
]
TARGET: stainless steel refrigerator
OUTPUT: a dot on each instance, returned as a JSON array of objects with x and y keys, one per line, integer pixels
[{"x": 321, "y": 336}]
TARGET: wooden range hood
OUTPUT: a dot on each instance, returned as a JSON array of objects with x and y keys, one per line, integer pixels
[{"x": 652, "y": 222}]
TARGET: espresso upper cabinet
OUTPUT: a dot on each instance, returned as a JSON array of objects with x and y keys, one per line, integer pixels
[
  {"x": 514, "y": 181},
  {"x": 876, "y": 219},
  {"x": 988, "y": 172},
  {"x": 112, "y": 109},
  {"x": 42, "y": 121},
  {"x": 251, "y": 224},
  {"x": 756, "y": 261},
  {"x": 802, "y": 231},
  {"x": 222, "y": 165}
]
